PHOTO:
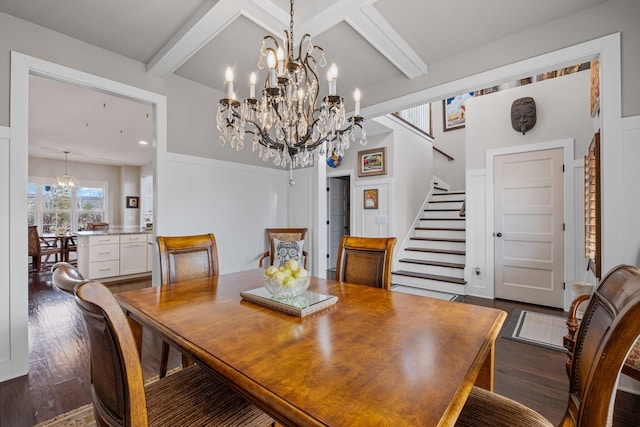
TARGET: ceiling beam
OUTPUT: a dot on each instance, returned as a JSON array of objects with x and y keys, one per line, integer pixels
[
  {"x": 209, "y": 21},
  {"x": 380, "y": 34},
  {"x": 215, "y": 15}
]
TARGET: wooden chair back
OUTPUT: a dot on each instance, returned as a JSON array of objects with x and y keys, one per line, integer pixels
[
  {"x": 187, "y": 257},
  {"x": 609, "y": 328},
  {"x": 117, "y": 385},
  {"x": 34, "y": 241},
  {"x": 65, "y": 276},
  {"x": 39, "y": 247},
  {"x": 366, "y": 260},
  {"x": 286, "y": 235},
  {"x": 98, "y": 226}
]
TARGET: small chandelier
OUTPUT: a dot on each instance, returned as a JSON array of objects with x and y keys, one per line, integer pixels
[
  {"x": 63, "y": 185},
  {"x": 286, "y": 123}
]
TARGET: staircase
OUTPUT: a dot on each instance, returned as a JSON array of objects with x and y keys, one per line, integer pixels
[{"x": 435, "y": 257}]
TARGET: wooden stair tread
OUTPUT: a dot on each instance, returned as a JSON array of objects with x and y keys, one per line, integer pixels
[
  {"x": 441, "y": 210},
  {"x": 438, "y": 251},
  {"x": 440, "y": 228},
  {"x": 455, "y": 280},
  {"x": 441, "y": 219},
  {"x": 438, "y": 239},
  {"x": 446, "y": 201},
  {"x": 433, "y": 263},
  {"x": 449, "y": 192}
]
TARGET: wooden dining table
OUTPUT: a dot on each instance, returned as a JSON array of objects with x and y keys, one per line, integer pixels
[{"x": 376, "y": 357}]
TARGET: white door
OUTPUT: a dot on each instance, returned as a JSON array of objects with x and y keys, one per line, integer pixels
[
  {"x": 528, "y": 232},
  {"x": 338, "y": 206}
]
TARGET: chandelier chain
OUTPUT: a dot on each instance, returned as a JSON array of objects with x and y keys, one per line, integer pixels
[{"x": 290, "y": 41}]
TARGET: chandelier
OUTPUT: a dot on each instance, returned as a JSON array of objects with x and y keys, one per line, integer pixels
[
  {"x": 285, "y": 122},
  {"x": 63, "y": 185}
]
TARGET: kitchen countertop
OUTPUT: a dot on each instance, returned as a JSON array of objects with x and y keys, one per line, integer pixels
[{"x": 115, "y": 232}]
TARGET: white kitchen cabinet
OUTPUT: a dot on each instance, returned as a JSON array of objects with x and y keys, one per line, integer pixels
[
  {"x": 99, "y": 256},
  {"x": 133, "y": 253},
  {"x": 113, "y": 255},
  {"x": 151, "y": 251}
]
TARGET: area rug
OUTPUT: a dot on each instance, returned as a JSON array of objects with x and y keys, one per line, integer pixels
[
  {"x": 83, "y": 416},
  {"x": 79, "y": 417},
  {"x": 427, "y": 293},
  {"x": 543, "y": 330}
]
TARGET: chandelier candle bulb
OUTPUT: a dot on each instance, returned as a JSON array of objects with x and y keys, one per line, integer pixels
[
  {"x": 271, "y": 63},
  {"x": 356, "y": 97},
  {"x": 280, "y": 58},
  {"x": 252, "y": 85},
  {"x": 229, "y": 78},
  {"x": 332, "y": 77}
]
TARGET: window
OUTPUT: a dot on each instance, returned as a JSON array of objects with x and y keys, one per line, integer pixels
[
  {"x": 592, "y": 205},
  {"x": 73, "y": 212},
  {"x": 89, "y": 206},
  {"x": 56, "y": 210}
]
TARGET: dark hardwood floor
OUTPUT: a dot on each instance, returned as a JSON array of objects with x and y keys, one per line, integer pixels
[{"x": 58, "y": 379}]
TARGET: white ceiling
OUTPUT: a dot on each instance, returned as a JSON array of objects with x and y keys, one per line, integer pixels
[{"x": 371, "y": 41}]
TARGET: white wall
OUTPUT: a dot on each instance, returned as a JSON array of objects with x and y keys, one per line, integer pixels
[
  {"x": 631, "y": 200},
  {"x": 562, "y": 113},
  {"x": 413, "y": 169},
  {"x": 452, "y": 172},
  {"x": 234, "y": 202},
  {"x": 13, "y": 325}
]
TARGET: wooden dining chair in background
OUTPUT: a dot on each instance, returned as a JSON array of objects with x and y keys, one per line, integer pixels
[
  {"x": 277, "y": 239},
  {"x": 610, "y": 327},
  {"x": 70, "y": 245},
  {"x": 189, "y": 397},
  {"x": 42, "y": 247},
  {"x": 184, "y": 258},
  {"x": 97, "y": 226},
  {"x": 366, "y": 260}
]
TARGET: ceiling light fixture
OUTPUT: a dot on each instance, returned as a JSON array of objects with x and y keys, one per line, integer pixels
[
  {"x": 286, "y": 123},
  {"x": 63, "y": 185}
]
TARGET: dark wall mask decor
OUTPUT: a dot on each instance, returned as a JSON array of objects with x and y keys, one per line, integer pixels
[{"x": 523, "y": 114}]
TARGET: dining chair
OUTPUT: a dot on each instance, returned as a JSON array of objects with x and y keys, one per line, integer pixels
[
  {"x": 610, "y": 327},
  {"x": 365, "y": 260},
  {"x": 42, "y": 246},
  {"x": 184, "y": 258},
  {"x": 631, "y": 366},
  {"x": 189, "y": 397},
  {"x": 70, "y": 245},
  {"x": 285, "y": 243},
  {"x": 65, "y": 276},
  {"x": 97, "y": 226}
]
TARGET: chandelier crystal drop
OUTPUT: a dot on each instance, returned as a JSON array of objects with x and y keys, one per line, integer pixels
[
  {"x": 63, "y": 185},
  {"x": 287, "y": 125}
]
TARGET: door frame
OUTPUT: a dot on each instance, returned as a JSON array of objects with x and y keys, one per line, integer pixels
[
  {"x": 569, "y": 209},
  {"x": 22, "y": 66},
  {"x": 352, "y": 194}
]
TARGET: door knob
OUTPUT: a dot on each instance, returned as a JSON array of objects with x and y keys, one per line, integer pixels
[{"x": 498, "y": 234}]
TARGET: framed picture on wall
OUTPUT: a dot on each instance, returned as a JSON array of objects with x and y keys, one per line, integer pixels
[
  {"x": 372, "y": 162},
  {"x": 453, "y": 111},
  {"x": 133, "y": 202},
  {"x": 371, "y": 198}
]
